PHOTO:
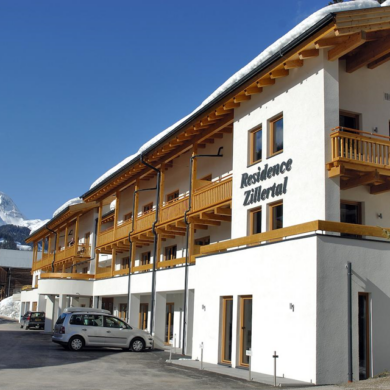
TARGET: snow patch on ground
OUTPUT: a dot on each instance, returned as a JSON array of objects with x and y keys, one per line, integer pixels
[
  {"x": 262, "y": 57},
  {"x": 10, "y": 308}
]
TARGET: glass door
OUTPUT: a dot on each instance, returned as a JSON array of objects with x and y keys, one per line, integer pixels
[
  {"x": 169, "y": 323},
  {"x": 122, "y": 311},
  {"x": 245, "y": 329},
  {"x": 227, "y": 328}
]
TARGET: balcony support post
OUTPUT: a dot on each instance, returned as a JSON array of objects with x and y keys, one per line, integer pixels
[
  {"x": 100, "y": 218},
  {"x": 66, "y": 237},
  {"x": 55, "y": 247},
  {"x": 116, "y": 212},
  {"x": 162, "y": 185},
  {"x": 76, "y": 235},
  {"x": 113, "y": 261}
]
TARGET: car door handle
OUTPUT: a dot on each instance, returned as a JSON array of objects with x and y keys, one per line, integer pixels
[
  {"x": 109, "y": 331},
  {"x": 84, "y": 329}
]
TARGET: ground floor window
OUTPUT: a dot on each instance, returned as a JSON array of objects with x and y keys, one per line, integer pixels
[
  {"x": 245, "y": 329},
  {"x": 143, "y": 316},
  {"x": 122, "y": 311},
  {"x": 364, "y": 336},
  {"x": 227, "y": 330},
  {"x": 169, "y": 323}
]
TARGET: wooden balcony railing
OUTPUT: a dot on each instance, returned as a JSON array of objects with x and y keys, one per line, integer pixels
[
  {"x": 122, "y": 231},
  {"x": 174, "y": 209},
  {"x": 145, "y": 221},
  {"x": 65, "y": 275},
  {"x": 301, "y": 229},
  {"x": 103, "y": 272},
  {"x": 361, "y": 147},
  {"x": 105, "y": 236},
  {"x": 212, "y": 194}
]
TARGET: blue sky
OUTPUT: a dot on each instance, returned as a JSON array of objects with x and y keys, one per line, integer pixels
[{"x": 83, "y": 84}]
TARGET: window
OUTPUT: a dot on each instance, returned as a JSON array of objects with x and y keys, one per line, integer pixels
[
  {"x": 255, "y": 221},
  {"x": 145, "y": 258},
  {"x": 170, "y": 252},
  {"x": 148, "y": 207},
  {"x": 350, "y": 212},
  {"x": 276, "y": 216},
  {"x": 112, "y": 322},
  {"x": 202, "y": 241},
  {"x": 276, "y": 136},
  {"x": 86, "y": 320},
  {"x": 349, "y": 120},
  {"x": 255, "y": 145},
  {"x": 125, "y": 262},
  {"x": 128, "y": 216},
  {"x": 85, "y": 270},
  {"x": 173, "y": 195}
]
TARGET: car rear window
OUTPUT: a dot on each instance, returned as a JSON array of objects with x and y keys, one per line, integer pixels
[
  {"x": 61, "y": 319},
  {"x": 38, "y": 315}
]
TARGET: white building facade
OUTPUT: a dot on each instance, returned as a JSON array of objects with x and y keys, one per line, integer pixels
[{"x": 257, "y": 223}]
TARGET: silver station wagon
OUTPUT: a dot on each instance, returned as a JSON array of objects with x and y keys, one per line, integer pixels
[{"x": 77, "y": 328}]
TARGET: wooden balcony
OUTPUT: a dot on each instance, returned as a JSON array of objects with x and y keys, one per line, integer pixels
[
  {"x": 145, "y": 221},
  {"x": 213, "y": 194},
  {"x": 105, "y": 237},
  {"x": 174, "y": 209},
  {"x": 327, "y": 227},
  {"x": 360, "y": 158},
  {"x": 65, "y": 275},
  {"x": 122, "y": 231}
]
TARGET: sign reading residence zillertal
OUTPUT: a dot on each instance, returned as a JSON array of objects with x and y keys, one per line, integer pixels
[{"x": 259, "y": 193}]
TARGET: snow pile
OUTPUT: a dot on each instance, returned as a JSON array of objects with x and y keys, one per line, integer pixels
[
  {"x": 10, "y": 214},
  {"x": 262, "y": 57},
  {"x": 10, "y": 308},
  {"x": 70, "y": 202},
  {"x": 113, "y": 205}
]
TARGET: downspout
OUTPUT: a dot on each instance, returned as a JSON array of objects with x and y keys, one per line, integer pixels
[
  {"x": 55, "y": 247},
  {"x": 350, "y": 365},
  {"x": 155, "y": 242},
  {"x": 219, "y": 154}
]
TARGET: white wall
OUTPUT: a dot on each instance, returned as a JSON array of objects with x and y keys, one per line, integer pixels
[
  {"x": 275, "y": 275},
  {"x": 371, "y": 270},
  {"x": 300, "y": 97}
]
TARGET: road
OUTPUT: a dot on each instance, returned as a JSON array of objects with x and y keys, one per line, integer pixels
[{"x": 30, "y": 361}]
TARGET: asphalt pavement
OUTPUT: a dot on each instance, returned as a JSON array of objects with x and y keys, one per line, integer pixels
[{"x": 30, "y": 361}]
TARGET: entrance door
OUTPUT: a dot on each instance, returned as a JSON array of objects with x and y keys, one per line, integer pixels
[
  {"x": 227, "y": 328},
  {"x": 122, "y": 311},
  {"x": 143, "y": 316},
  {"x": 245, "y": 329},
  {"x": 364, "y": 336},
  {"x": 169, "y": 323},
  {"x": 108, "y": 304}
]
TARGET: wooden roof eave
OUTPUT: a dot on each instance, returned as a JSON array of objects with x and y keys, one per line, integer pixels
[
  {"x": 62, "y": 218},
  {"x": 104, "y": 189}
]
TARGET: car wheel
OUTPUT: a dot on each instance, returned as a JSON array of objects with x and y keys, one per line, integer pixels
[
  {"x": 76, "y": 343},
  {"x": 137, "y": 345}
]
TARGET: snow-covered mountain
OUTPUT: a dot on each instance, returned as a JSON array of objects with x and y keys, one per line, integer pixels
[{"x": 11, "y": 215}]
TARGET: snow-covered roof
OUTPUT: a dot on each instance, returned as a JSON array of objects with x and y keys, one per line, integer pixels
[
  {"x": 70, "y": 202},
  {"x": 261, "y": 58}
]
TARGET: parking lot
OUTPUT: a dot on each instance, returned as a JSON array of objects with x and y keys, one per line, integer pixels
[{"x": 29, "y": 360}]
